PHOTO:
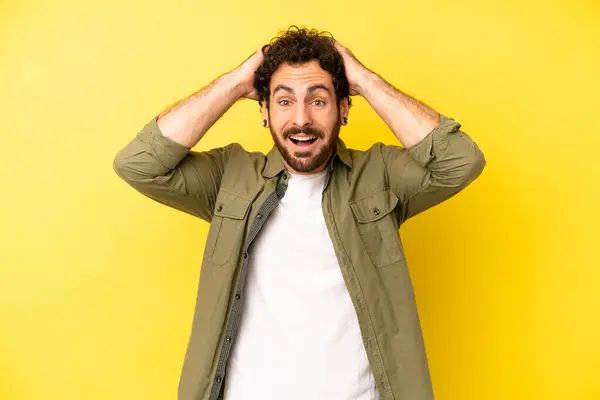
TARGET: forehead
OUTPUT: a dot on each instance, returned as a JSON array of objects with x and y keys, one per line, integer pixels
[{"x": 301, "y": 77}]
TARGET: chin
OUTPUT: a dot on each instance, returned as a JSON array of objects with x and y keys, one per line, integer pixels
[{"x": 303, "y": 162}]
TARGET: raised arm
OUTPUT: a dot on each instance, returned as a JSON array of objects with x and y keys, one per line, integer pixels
[
  {"x": 437, "y": 159},
  {"x": 159, "y": 163}
]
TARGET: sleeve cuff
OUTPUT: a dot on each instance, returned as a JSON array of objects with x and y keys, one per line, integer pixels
[
  {"x": 168, "y": 152},
  {"x": 424, "y": 151}
]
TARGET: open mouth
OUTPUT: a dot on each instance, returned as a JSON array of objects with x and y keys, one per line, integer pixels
[{"x": 303, "y": 142}]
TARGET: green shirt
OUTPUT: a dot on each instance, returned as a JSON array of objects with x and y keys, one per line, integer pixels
[{"x": 366, "y": 198}]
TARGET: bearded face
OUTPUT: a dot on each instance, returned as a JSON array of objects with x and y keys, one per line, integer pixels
[
  {"x": 307, "y": 149},
  {"x": 304, "y": 117}
]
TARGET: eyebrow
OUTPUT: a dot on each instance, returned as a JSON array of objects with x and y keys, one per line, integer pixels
[{"x": 310, "y": 89}]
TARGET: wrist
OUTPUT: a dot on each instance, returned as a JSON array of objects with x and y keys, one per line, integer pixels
[
  {"x": 365, "y": 81},
  {"x": 236, "y": 83}
]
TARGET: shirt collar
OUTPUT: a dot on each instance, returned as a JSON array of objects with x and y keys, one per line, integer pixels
[{"x": 275, "y": 163}]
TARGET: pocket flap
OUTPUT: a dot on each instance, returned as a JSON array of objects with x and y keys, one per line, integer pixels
[
  {"x": 230, "y": 205},
  {"x": 374, "y": 206}
]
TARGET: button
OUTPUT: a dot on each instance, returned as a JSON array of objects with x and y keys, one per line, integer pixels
[
  {"x": 237, "y": 296},
  {"x": 228, "y": 338},
  {"x": 219, "y": 207},
  {"x": 259, "y": 215},
  {"x": 218, "y": 379},
  {"x": 376, "y": 211},
  {"x": 245, "y": 255}
]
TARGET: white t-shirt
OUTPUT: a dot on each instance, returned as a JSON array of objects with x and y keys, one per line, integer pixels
[{"x": 299, "y": 337}]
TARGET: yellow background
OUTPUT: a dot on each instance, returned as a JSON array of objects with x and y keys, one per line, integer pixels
[{"x": 98, "y": 283}]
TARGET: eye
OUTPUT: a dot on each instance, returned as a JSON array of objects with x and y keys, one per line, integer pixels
[
  {"x": 284, "y": 101},
  {"x": 319, "y": 101}
]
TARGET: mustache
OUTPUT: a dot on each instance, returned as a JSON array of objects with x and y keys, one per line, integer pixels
[{"x": 307, "y": 130}]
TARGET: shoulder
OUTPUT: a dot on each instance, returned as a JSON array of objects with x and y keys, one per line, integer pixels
[
  {"x": 376, "y": 155},
  {"x": 239, "y": 156},
  {"x": 243, "y": 171}
]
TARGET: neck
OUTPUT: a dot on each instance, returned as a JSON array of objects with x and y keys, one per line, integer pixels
[{"x": 314, "y": 171}]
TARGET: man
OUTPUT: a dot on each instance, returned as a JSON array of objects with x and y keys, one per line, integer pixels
[{"x": 304, "y": 290}]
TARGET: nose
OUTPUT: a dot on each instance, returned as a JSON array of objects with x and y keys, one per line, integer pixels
[{"x": 302, "y": 117}]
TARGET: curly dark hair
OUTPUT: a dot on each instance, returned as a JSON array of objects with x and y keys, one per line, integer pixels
[{"x": 297, "y": 46}]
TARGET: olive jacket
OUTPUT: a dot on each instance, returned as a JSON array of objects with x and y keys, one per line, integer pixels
[{"x": 366, "y": 198}]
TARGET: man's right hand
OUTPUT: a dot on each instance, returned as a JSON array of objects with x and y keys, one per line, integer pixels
[{"x": 245, "y": 75}]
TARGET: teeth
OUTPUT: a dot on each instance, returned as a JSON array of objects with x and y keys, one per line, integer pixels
[{"x": 303, "y": 138}]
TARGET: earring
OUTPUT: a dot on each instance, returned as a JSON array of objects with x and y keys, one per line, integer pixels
[
  {"x": 345, "y": 121},
  {"x": 264, "y": 123}
]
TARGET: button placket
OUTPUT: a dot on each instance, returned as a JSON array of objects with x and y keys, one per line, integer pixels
[{"x": 233, "y": 325}]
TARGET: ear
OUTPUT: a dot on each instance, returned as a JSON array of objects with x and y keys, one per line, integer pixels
[
  {"x": 344, "y": 108},
  {"x": 265, "y": 112}
]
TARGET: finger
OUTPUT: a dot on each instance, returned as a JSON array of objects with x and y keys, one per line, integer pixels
[
  {"x": 265, "y": 49},
  {"x": 337, "y": 45}
]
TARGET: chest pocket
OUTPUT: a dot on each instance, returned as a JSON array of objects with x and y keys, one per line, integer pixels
[
  {"x": 378, "y": 227},
  {"x": 226, "y": 228}
]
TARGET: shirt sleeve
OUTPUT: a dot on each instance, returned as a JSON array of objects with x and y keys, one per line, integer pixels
[
  {"x": 442, "y": 164},
  {"x": 171, "y": 173}
]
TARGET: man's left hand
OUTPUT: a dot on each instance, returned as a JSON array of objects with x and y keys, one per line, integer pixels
[{"x": 356, "y": 73}]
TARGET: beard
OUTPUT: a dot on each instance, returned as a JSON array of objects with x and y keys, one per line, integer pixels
[{"x": 308, "y": 161}]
